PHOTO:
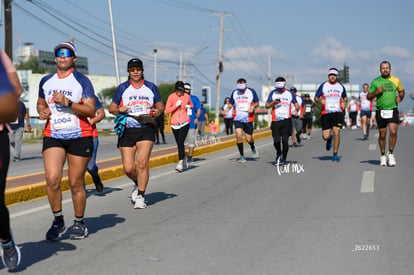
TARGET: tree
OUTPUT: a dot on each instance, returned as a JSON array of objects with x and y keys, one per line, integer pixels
[
  {"x": 165, "y": 90},
  {"x": 33, "y": 65},
  {"x": 107, "y": 93}
]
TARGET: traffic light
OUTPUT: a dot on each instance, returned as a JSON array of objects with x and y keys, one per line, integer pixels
[
  {"x": 205, "y": 93},
  {"x": 346, "y": 74}
]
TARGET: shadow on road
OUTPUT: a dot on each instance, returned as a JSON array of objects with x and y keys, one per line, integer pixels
[
  {"x": 94, "y": 224},
  {"x": 92, "y": 191},
  {"x": 371, "y": 161},
  {"x": 34, "y": 252},
  {"x": 153, "y": 198},
  {"x": 324, "y": 158}
]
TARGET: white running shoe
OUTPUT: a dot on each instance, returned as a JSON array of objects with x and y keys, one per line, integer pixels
[
  {"x": 179, "y": 168},
  {"x": 255, "y": 153},
  {"x": 391, "y": 160},
  {"x": 134, "y": 194},
  {"x": 383, "y": 161},
  {"x": 140, "y": 203}
]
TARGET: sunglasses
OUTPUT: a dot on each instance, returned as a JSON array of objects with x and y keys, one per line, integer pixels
[
  {"x": 133, "y": 69},
  {"x": 64, "y": 52}
]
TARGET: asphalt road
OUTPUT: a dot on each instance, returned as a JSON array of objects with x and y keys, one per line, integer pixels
[{"x": 222, "y": 217}]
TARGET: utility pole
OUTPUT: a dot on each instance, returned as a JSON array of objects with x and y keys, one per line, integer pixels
[
  {"x": 8, "y": 40},
  {"x": 220, "y": 63},
  {"x": 180, "y": 77},
  {"x": 114, "y": 43},
  {"x": 269, "y": 73},
  {"x": 269, "y": 79},
  {"x": 155, "y": 65}
]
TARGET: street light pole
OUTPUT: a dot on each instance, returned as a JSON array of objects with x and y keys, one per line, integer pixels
[
  {"x": 155, "y": 65},
  {"x": 114, "y": 42},
  {"x": 8, "y": 40}
]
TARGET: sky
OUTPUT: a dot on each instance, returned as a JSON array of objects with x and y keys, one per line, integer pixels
[{"x": 301, "y": 38}]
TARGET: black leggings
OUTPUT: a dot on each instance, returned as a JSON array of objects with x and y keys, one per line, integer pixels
[
  {"x": 281, "y": 130},
  {"x": 180, "y": 136},
  {"x": 229, "y": 125},
  {"x": 4, "y": 166}
]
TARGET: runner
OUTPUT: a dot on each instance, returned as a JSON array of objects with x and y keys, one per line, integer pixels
[
  {"x": 177, "y": 104},
  {"x": 281, "y": 100},
  {"x": 245, "y": 101},
  {"x": 92, "y": 168},
  {"x": 353, "y": 106},
  {"x": 194, "y": 114},
  {"x": 227, "y": 117},
  {"x": 389, "y": 93},
  {"x": 9, "y": 106},
  {"x": 66, "y": 100},
  {"x": 332, "y": 95},
  {"x": 296, "y": 118},
  {"x": 203, "y": 117},
  {"x": 365, "y": 110},
  {"x": 160, "y": 129},
  {"x": 134, "y": 101},
  {"x": 307, "y": 120}
]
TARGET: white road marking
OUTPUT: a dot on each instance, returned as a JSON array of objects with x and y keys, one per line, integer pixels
[
  {"x": 367, "y": 182},
  {"x": 36, "y": 209}
]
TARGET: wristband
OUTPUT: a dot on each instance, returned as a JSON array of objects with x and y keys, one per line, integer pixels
[{"x": 70, "y": 103}]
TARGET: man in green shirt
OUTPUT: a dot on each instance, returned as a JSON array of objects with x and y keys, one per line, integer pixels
[{"x": 389, "y": 92}]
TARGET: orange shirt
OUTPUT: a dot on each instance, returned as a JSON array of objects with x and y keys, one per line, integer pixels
[{"x": 178, "y": 114}]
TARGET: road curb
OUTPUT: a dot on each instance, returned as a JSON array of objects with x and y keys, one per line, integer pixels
[{"x": 29, "y": 192}]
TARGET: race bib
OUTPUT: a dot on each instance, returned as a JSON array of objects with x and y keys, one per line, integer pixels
[
  {"x": 332, "y": 106},
  {"x": 308, "y": 109},
  {"x": 282, "y": 113},
  {"x": 15, "y": 122},
  {"x": 189, "y": 110},
  {"x": 244, "y": 107},
  {"x": 139, "y": 109},
  {"x": 386, "y": 114},
  {"x": 63, "y": 120}
]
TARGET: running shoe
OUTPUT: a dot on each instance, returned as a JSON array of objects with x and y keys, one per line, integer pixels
[
  {"x": 391, "y": 160},
  {"x": 335, "y": 158},
  {"x": 255, "y": 153},
  {"x": 98, "y": 184},
  {"x": 241, "y": 159},
  {"x": 329, "y": 143},
  {"x": 134, "y": 194},
  {"x": 140, "y": 203},
  {"x": 295, "y": 145},
  {"x": 190, "y": 160},
  {"x": 383, "y": 161},
  {"x": 179, "y": 168},
  {"x": 276, "y": 159},
  {"x": 298, "y": 138},
  {"x": 10, "y": 255},
  {"x": 185, "y": 164},
  {"x": 78, "y": 231},
  {"x": 365, "y": 137},
  {"x": 57, "y": 228},
  {"x": 282, "y": 160}
]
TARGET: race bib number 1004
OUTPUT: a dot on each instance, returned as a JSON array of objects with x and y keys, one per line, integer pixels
[{"x": 63, "y": 120}]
